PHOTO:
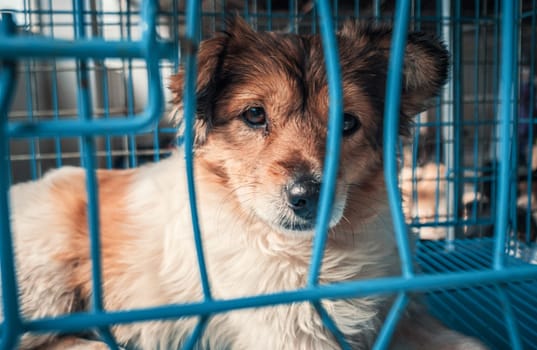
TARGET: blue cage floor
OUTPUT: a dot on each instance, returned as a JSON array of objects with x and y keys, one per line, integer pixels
[{"x": 477, "y": 311}]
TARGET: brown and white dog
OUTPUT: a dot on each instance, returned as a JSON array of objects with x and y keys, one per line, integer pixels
[{"x": 262, "y": 106}]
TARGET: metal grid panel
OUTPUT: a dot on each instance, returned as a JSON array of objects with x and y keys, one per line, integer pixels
[{"x": 463, "y": 162}]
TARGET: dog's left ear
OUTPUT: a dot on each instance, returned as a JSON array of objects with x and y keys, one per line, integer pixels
[
  {"x": 212, "y": 73},
  {"x": 210, "y": 57},
  {"x": 426, "y": 61},
  {"x": 425, "y": 72}
]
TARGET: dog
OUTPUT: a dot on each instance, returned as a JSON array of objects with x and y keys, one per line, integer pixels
[{"x": 260, "y": 132}]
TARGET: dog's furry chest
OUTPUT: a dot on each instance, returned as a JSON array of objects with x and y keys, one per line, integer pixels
[
  {"x": 287, "y": 326},
  {"x": 241, "y": 268}
]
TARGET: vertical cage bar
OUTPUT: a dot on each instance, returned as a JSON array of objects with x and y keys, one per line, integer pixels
[
  {"x": 417, "y": 15},
  {"x": 442, "y": 108},
  {"x": 376, "y": 10},
  {"x": 510, "y": 319},
  {"x": 448, "y": 130},
  {"x": 457, "y": 172},
  {"x": 269, "y": 14},
  {"x": 414, "y": 166},
  {"x": 246, "y": 13},
  {"x": 156, "y": 132},
  {"x": 391, "y": 127},
  {"x": 106, "y": 110},
  {"x": 133, "y": 160},
  {"x": 193, "y": 37},
  {"x": 175, "y": 36},
  {"x": 30, "y": 118},
  {"x": 293, "y": 16},
  {"x": 331, "y": 326},
  {"x": 495, "y": 144},
  {"x": 515, "y": 146},
  {"x": 88, "y": 157},
  {"x": 388, "y": 328},
  {"x": 55, "y": 97},
  {"x": 505, "y": 118},
  {"x": 506, "y": 114},
  {"x": 196, "y": 334},
  {"x": 11, "y": 325},
  {"x": 333, "y": 142},
  {"x": 335, "y": 11},
  {"x": 313, "y": 20},
  {"x": 531, "y": 118},
  {"x": 29, "y": 97},
  {"x": 101, "y": 78},
  {"x": 476, "y": 114}
]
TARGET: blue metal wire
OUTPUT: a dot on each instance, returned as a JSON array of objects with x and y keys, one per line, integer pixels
[
  {"x": 391, "y": 132},
  {"x": 293, "y": 10},
  {"x": 510, "y": 321},
  {"x": 491, "y": 307},
  {"x": 269, "y": 15},
  {"x": 486, "y": 316},
  {"x": 78, "y": 322},
  {"x": 129, "y": 87},
  {"x": 435, "y": 265},
  {"x": 54, "y": 83},
  {"x": 488, "y": 296},
  {"x": 449, "y": 303},
  {"x": 531, "y": 109},
  {"x": 487, "y": 307},
  {"x": 505, "y": 114},
  {"x": 333, "y": 142},
  {"x": 106, "y": 110},
  {"x": 495, "y": 83},
  {"x": 376, "y": 9},
  {"x": 451, "y": 272},
  {"x": 196, "y": 334},
  {"x": 12, "y": 324},
  {"x": 193, "y": 35},
  {"x": 415, "y": 144},
  {"x": 88, "y": 156},
  {"x": 331, "y": 326},
  {"x": 515, "y": 144},
  {"x": 438, "y": 119},
  {"x": 386, "y": 332},
  {"x": 457, "y": 80},
  {"x": 475, "y": 147},
  {"x": 148, "y": 48},
  {"x": 43, "y": 47},
  {"x": 30, "y": 119}
]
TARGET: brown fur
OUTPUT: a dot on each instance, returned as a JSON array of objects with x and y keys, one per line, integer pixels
[
  {"x": 70, "y": 198},
  {"x": 246, "y": 61}
]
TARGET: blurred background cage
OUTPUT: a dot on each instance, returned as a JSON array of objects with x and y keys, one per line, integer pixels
[{"x": 450, "y": 164}]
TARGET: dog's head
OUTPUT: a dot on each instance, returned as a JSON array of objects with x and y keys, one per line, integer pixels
[{"x": 262, "y": 113}]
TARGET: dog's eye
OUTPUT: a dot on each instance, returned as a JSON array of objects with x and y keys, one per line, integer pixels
[
  {"x": 351, "y": 124},
  {"x": 255, "y": 117}
]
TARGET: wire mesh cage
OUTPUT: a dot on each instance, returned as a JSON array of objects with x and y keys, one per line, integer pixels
[{"x": 465, "y": 174}]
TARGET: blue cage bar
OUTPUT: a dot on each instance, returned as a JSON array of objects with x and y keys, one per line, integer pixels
[{"x": 483, "y": 286}]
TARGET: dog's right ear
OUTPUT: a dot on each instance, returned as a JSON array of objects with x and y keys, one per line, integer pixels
[
  {"x": 210, "y": 57},
  {"x": 425, "y": 69}
]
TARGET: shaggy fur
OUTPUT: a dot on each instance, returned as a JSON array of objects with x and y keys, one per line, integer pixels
[{"x": 254, "y": 242}]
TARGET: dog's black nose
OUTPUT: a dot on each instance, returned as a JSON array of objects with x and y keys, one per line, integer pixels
[{"x": 303, "y": 195}]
